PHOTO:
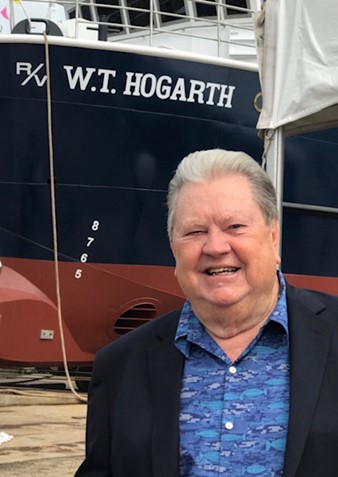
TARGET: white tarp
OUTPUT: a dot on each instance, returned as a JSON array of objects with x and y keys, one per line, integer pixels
[{"x": 298, "y": 63}]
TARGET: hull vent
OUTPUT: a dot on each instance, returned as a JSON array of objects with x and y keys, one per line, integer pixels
[{"x": 134, "y": 317}]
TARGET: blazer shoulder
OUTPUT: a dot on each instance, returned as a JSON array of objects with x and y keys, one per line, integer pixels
[{"x": 314, "y": 301}]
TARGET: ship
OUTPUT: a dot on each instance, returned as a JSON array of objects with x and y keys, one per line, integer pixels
[{"x": 98, "y": 104}]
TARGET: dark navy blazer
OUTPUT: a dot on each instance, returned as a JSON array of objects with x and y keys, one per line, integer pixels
[{"x": 133, "y": 408}]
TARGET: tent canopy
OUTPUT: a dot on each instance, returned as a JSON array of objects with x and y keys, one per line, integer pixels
[{"x": 298, "y": 64}]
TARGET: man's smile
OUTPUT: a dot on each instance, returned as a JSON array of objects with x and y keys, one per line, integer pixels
[{"x": 221, "y": 271}]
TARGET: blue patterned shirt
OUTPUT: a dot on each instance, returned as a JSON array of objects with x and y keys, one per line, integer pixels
[{"x": 234, "y": 415}]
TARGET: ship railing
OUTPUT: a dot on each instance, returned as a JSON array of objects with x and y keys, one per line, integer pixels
[{"x": 218, "y": 27}]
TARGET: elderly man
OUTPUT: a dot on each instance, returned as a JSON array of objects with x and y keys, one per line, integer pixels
[{"x": 244, "y": 379}]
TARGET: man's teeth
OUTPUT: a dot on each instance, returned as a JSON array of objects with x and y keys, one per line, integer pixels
[{"x": 221, "y": 271}]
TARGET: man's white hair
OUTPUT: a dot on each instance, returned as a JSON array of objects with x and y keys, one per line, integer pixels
[{"x": 202, "y": 166}]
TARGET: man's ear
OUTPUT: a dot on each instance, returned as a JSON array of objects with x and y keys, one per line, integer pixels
[
  {"x": 174, "y": 253},
  {"x": 275, "y": 234}
]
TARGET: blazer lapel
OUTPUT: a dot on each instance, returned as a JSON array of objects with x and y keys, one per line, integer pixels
[
  {"x": 165, "y": 370},
  {"x": 309, "y": 343}
]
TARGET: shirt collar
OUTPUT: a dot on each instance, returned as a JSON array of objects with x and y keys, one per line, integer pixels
[
  {"x": 189, "y": 327},
  {"x": 280, "y": 314}
]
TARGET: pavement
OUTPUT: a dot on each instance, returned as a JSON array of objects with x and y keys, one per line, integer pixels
[{"x": 45, "y": 432}]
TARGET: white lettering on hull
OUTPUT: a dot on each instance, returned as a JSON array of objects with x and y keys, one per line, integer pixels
[{"x": 139, "y": 85}]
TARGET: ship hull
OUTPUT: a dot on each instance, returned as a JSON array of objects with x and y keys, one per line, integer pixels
[{"x": 121, "y": 120}]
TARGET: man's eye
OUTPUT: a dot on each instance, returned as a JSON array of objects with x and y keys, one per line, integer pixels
[
  {"x": 235, "y": 226},
  {"x": 194, "y": 232}
]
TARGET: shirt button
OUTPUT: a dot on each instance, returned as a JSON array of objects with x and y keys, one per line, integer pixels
[
  {"x": 232, "y": 370},
  {"x": 229, "y": 425}
]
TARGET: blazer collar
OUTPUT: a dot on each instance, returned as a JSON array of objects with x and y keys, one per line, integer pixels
[{"x": 309, "y": 344}]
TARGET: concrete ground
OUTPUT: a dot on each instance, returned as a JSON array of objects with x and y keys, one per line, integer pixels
[{"x": 48, "y": 430}]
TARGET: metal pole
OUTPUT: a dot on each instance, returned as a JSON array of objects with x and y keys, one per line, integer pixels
[{"x": 274, "y": 165}]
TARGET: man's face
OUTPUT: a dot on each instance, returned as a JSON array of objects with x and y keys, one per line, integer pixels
[{"x": 225, "y": 252}]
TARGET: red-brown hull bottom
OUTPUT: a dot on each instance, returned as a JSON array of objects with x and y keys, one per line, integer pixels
[{"x": 97, "y": 306}]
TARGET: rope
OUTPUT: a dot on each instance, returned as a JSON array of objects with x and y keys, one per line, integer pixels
[
  {"x": 54, "y": 223},
  {"x": 61, "y": 396}
]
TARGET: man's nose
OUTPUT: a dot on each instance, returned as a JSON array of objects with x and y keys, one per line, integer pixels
[{"x": 216, "y": 243}]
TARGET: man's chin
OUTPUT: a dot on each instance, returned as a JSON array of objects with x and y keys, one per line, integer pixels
[{"x": 222, "y": 300}]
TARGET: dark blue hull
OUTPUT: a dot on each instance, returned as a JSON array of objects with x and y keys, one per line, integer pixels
[{"x": 121, "y": 121}]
